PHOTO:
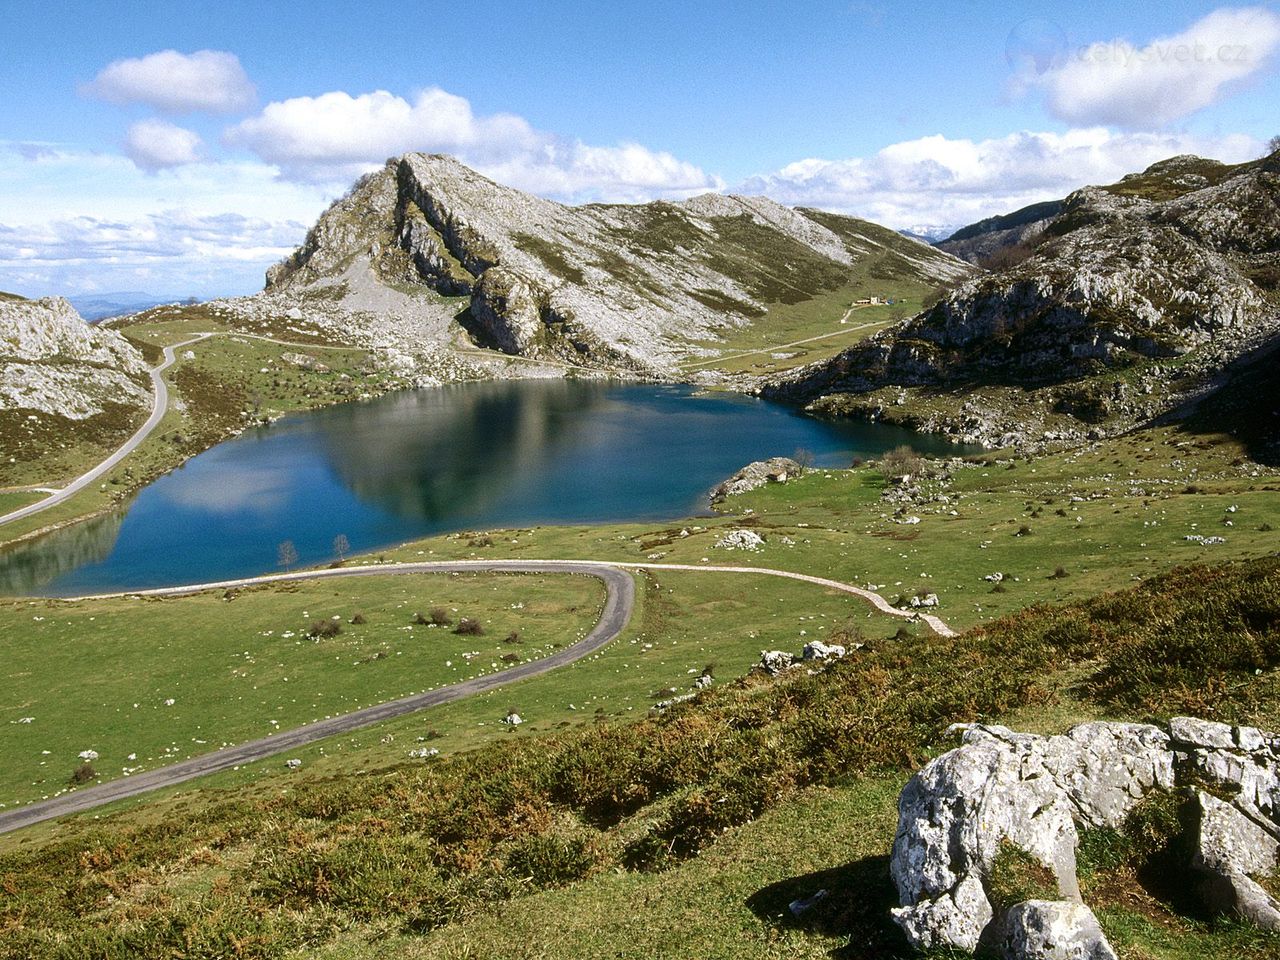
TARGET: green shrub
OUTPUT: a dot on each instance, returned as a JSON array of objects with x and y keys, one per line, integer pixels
[{"x": 1016, "y": 876}]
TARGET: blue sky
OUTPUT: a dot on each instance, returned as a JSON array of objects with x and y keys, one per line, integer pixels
[{"x": 182, "y": 147}]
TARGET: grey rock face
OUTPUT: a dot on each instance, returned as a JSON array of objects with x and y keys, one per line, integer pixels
[
  {"x": 52, "y": 362},
  {"x": 1053, "y": 930},
  {"x": 1031, "y": 793},
  {"x": 630, "y": 285},
  {"x": 1232, "y": 848},
  {"x": 508, "y": 308},
  {"x": 757, "y": 474}
]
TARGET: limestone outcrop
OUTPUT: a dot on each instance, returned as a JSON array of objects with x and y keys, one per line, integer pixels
[
  {"x": 1003, "y": 793},
  {"x": 53, "y": 363},
  {"x": 1130, "y": 301},
  {"x": 757, "y": 474}
]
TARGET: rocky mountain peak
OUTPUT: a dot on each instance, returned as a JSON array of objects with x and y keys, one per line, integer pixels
[
  {"x": 628, "y": 285},
  {"x": 1178, "y": 263}
]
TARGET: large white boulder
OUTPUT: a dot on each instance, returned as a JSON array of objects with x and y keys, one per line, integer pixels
[{"x": 1004, "y": 789}]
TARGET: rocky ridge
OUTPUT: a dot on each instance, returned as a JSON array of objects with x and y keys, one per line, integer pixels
[
  {"x": 622, "y": 286},
  {"x": 1135, "y": 299},
  {"x": 53, "y": 363}
]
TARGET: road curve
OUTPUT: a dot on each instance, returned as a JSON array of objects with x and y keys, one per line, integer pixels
[
  {"x": 618, "y": 606},
  {"x": 159, "y": 406},
  {"x": 936, "y": 624}
]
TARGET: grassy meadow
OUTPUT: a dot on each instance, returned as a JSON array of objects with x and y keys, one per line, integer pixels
[{"x": 685, "y": 832}]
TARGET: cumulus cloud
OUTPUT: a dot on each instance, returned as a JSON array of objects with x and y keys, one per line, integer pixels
[
  {"x": 936, "y": 181},
  {"x": 155, "y": 144},
  {"x": 207, "y": 81},
  {"x": 336, "y": 136},
  {"x": 1145, "y": 88}
]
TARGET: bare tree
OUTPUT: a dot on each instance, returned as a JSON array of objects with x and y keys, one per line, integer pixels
[
  {"x": 1273, "y": 144},
  {"x": 803, "y": 459},
  {"x": 341, "y": 546},
  {"x": 286, "y": 554}
]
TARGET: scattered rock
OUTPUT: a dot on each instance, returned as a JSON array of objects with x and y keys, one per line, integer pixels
[
  {"x": 741, "y": 540},
  {"x": 774, "y": 662},
  {"x": 304, "y": 361},
  {"x": 757, "y": 474},
  {"x": 799, "y": 908},
  {"x": 819, "y": 651},
  {"x": 928, "y": 600},
  {"x": 513, "y": 719}
]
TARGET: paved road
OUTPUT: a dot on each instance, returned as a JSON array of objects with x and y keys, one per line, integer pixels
[
  {"x": 159, "y": 406},
  {"x": 619, "y": 603}
]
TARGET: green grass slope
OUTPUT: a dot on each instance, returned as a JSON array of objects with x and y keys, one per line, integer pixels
[{"x": 712, "y": 816}]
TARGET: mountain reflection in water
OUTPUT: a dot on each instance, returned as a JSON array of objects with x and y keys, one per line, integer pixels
[{"x": 462, "y": 457}]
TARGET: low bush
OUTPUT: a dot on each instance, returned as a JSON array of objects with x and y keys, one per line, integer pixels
[{"x": 324, "y": 629}]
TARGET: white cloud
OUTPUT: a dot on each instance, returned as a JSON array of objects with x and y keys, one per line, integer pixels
[
  {"x": 155, "y": 144},
  {"x": 207, "y": 81},
  {"x": 1145, "y": 88},
  {"x": 939, "y": 181},
  {"x": 335, "y": 137},
  {"x": 74, "y": 222},
  {"x": 167, "y": 252}
]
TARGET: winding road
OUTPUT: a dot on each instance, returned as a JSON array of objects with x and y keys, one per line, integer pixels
[
  {"x": 618, "y": 607},
  {"x": 619, "y": 603},
  {"x": 159, "y": 407}
]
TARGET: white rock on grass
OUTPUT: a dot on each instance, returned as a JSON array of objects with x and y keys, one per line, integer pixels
[
  {"x": 1003, "y": 789},
  {"x": 774, "y": 662},
  {"x": 817, "y": 650},
  {"x": 1054, "y": 930},
  {"x": 741, "y": 540}
]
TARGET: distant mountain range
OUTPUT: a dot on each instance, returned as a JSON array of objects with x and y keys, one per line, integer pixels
[{"x": 103, "y": 306}]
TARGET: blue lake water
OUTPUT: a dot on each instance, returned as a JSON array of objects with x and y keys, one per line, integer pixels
[{"x": 465, "y": 457}]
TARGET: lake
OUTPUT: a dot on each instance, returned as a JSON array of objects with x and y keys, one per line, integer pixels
[{"x": 465, "y": 457}]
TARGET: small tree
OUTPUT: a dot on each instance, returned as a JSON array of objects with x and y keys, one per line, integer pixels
[
  {"x": 1273, "y": 144},
  {"x": 286, "y": 554},
  {"x": 803, "y": 459},
  {"x": 341, "y": 546}
]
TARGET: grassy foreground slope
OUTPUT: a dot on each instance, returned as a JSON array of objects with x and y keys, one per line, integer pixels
[{"x": 709, "y": 819}]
